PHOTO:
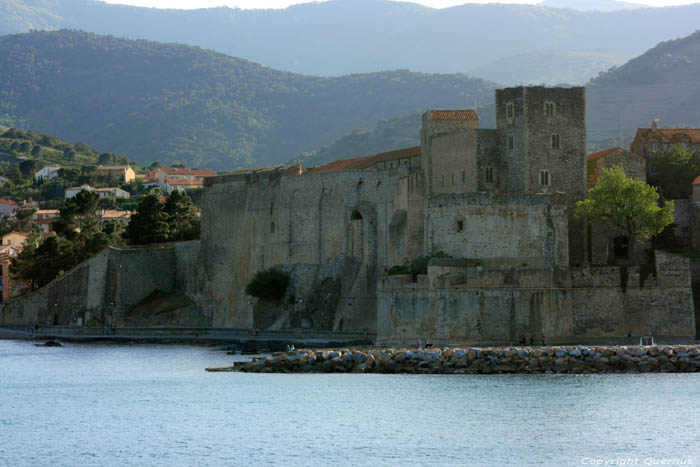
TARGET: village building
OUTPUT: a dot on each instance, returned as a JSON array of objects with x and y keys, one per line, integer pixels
[
  {"x": 125, "y": 174},
  {"x": 650, "y": 142},
  {"x": 44, "y": 218},
  {"x": 8, "y": 208},
  {"x": 102, "y": 192},
  {"x": 169, "y": 179},
  {"x": 114, "y": 215},
  {"x": 47, "y": 173},
  {"x": 14, "y": 239}
]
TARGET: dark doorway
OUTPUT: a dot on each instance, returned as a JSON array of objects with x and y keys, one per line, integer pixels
[{"x": 621, "y": 247}]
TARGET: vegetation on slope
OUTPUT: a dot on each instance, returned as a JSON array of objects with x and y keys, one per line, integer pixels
[
  {"x": 183, "y": 104},
  {"x": 663, "y": 84}
]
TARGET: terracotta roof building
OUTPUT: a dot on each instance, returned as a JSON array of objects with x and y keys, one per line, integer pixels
[{"x": 648, "y": 142}]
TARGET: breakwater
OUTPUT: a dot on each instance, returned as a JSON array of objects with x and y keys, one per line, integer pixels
[{"x": 472, "y": 360}]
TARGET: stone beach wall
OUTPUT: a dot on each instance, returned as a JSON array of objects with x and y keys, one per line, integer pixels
[{"x": 487, "y": 360}]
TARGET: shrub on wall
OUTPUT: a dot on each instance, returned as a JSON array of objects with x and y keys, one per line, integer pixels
[
  {"x": 269, "y": 283},
  {"x": 417, "y": 265}
]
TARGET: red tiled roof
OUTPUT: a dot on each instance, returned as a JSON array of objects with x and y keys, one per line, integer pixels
[
  {"x": 47, "y": 211},
  {"x": 697, "y": 180},
  {"x": 7, "y": 201},
  {"x": 185, "y": 181},
  {"x": 150, "y": 176},
  {"x": 358, "y": 163},
  {"x": 468, "y": 114},
  {"x": 669, "y": 135},
  {"x": 194, "y": 172},
  {"x": 606, "y": 152}
]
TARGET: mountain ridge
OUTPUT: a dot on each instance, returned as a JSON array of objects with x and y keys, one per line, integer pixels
[
  {"x": 177, "y": 103},
  {"x": 339, "y": 37}
]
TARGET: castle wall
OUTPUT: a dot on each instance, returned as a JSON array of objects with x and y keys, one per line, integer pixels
[
  {"x": 105, "y": 286},
  {"x": 406, "y": 228},
  {"x": 315, "y": 226},
  {"x": 498, "y": 230},
  {"x": 469, "y": 305}
]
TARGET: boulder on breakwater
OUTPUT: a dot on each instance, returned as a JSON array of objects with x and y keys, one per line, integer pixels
[{"x": 472, "y": 360}]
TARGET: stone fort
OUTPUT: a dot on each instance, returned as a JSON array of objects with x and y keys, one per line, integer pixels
[{"x": 499, "y": 203}]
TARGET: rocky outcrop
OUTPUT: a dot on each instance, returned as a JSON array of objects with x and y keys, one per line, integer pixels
[{"x": 570, "y": 359}]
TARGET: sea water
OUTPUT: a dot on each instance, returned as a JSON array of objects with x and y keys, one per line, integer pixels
[{"x": 106, "y": 405}]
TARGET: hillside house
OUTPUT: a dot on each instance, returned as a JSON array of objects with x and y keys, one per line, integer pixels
[
  {"x": 14, "y": 239},
  {"x": 47, "y": 173},
  {"x": 648, "y": 142},
  {"x": 121, "y": 217},
  {"x": 102, "y": 192},
  {"x": 125, "y": 174},
  {"x": 44, "y": 218},
  {"x": 169, "y": 179},
  {"x": 8, "y": 208}
]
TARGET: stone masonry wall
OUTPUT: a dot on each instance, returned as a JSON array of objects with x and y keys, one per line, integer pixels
[
  {"x": 495, "y": 307},
  {"x": 500, "y": 230},
  {"x": 103, "y": 287},
  {"x": 316, "y": 226}
]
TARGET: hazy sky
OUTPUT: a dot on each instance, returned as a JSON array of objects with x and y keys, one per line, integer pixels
[{"x": 248, "y": 4}]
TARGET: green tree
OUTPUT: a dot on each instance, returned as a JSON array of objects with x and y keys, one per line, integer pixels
[
  {"x": 14, "y": 174},
  {"x": 674, "y": 171},
  {"x": 626, "y": 206},
  {"x": 183, "y": 222},
  {"x": 149, "y": 224}
]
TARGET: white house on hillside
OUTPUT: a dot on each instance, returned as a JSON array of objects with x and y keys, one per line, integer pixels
[
  {"x": 103, "y": 192},
  {"x": 49, "y": 173}
]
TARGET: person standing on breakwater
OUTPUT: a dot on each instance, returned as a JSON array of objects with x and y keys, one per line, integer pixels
[{"x": 544, "y": 340}]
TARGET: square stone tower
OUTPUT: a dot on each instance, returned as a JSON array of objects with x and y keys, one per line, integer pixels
[{"x": 542, "y": 135}]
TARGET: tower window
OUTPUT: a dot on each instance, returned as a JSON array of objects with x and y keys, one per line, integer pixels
[
  {"x": 488, "y": 174},
  {"x": 464, "y": 176},
  {"x": 510, "y": 111},
  {"x": 555, "y": 141},
  {"x": 549, "y": 109},
  {"x": 272, "y": 227},
  {"x": 453, "y": 179},
  {"x": 442, "y": 180},
  {"x": 653, "y": 147},
  {"x": 544, "y": 178},
  {"x": 511, "y": 142},
  {"x": 460, "y": 226}
]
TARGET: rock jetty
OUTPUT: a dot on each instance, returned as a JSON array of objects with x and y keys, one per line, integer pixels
[{"x": 472, "y": 360}]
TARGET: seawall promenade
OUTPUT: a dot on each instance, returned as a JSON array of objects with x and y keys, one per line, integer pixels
[{"x": 488, "y": 360}]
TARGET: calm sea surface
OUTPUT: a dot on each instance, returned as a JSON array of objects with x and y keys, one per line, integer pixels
[{"x": 110, "y": 405}]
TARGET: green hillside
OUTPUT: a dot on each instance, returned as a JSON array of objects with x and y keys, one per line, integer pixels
[
  {"x": 663, "y": 84},
  {"x": 175, "y": 103}
]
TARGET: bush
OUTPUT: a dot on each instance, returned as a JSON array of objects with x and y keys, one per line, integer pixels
[
  {"x": 269, "y": 284},
  {"x": 416, "y": 266}
]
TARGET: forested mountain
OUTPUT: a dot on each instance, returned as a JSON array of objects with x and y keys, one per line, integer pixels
[
  {"x": 592, "y": 5},
  {"x": 550, "y": 67},
  {"x": 338, "y": 37},
  {"x": 663, "y": 83},
  {"x": 176, "y": 103},
  {"x": 400, "y": 132}
]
